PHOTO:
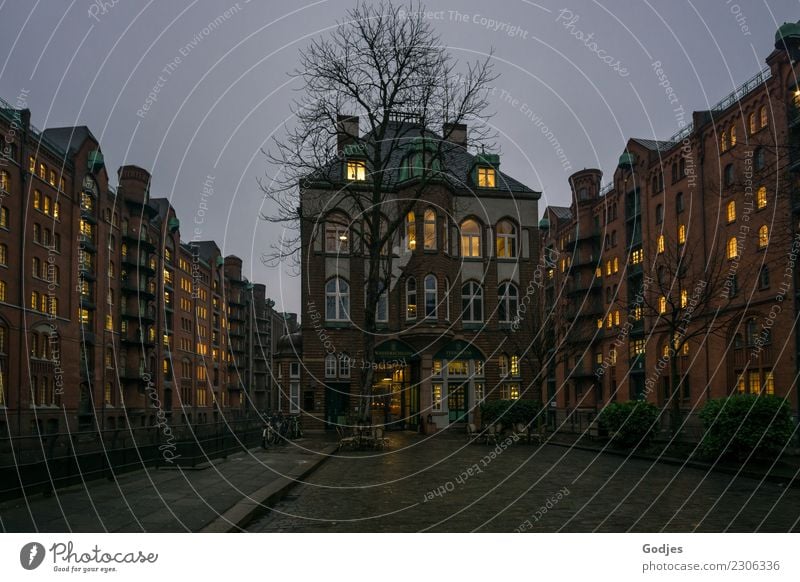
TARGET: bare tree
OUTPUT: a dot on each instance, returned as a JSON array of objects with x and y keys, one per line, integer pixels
[{"x": 383, "y": 64}]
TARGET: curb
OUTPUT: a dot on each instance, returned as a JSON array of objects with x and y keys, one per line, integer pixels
[
  {"x": 236, "y": 518},
  {"x": 789, "y": 481}
]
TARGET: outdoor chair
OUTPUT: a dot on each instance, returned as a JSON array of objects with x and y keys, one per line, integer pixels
[
  {"x": 523, "y": 431},
  {"x": 381, "y": 441},
  {"x": 472, "y": 433},
  {"x": 490, "y": 435},
  {"x": 345, "y": 441}
]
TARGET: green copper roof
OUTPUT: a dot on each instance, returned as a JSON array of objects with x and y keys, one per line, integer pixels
[
  {"x": 787, "y": 31},
  {"x": 627, "y": 159},
  {"x": 544, "y": 223}
]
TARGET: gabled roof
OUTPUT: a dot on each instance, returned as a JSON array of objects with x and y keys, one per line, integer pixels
[
  {"x": 69, "y": 139},
  {"x": 458, "y": 161}
]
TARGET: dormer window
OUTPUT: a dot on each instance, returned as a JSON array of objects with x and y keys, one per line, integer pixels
[
  {"x": 486, "y": 177},
  {"x": 356, "y": 170}
]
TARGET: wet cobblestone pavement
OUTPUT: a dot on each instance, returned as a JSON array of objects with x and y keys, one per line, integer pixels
[{"x": 425, "y": 484}]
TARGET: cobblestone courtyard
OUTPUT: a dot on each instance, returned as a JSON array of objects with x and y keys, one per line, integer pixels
[{"x": 392, "y": 491}]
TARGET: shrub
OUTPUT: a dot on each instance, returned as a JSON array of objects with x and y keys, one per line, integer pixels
[
  {"x": 510, "y": 411},
  {"x": 632, "y": 423},
  {"x": 738, "y": 425}
]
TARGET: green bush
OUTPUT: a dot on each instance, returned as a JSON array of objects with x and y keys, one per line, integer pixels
[
  {"x": 631, "y": 423},
  {"x": 738, "y": 425},
  {"x": 509, "y": 412}
]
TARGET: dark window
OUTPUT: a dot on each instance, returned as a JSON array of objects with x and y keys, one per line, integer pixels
[
  {"x": 759, "y": 159},
  {"x": 763, "y": 277},
  {"x": 729, "y": 175},
  {"x": 675, "y": 176},
  {"x": 659, "y": 214},
  {"x": 679, "y": 202},
  {"x": 308, "y": 401}
]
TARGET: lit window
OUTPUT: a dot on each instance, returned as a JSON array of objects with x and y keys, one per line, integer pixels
[
  {"x": 510, "y": 391},
  {"x": 723, "y": 141},
  {"x": 761, "y": 197},
  {"x": 5, "y": 181},
  {"x": 763, "y": 236},
  {"x": 506, "y": 240},
  {"x": 733, "y": 136},
  {"x": 662, "y": 305},
  {"x": 47, "y": 205},
  {"x": 37, "y": 200},
  {"x": 42, "y": 171},
  {"x": 754, "y": 382},
  {"x": 733, "y": 248},
  {"x": 637, "y": 256},
  {"x": 336, "y": 234},
  {"x": 356, "y": 171},
  {"x": 470, "y": 238},
  {"x": 661, "y": 243},
  {"x": 600, "y": 323},
  {"x": 681, "y": 234},
  {"x": 430, "y": 229},
  {"x": 436, "y": 397},
  {"x": 763, "y": 116},
  {"x": 731, "y": 211},
  {"x": 411, "y": 231},
  {"x": 684, "y": 298},
  {"x": 486, "y": 177},
  {"x": 616, "y": 264},
  {"x": 337, "y": 300},
  {"x": 472, "y": 302},
  {"x": 411, "y": 298},
  {"x": 608, "y": 267},
  {"x": 769, "y": 383},
  {"x": 3, "y": 291},
  {"x": 685, "y": 349},
  {"x": 752, "y": 123}
]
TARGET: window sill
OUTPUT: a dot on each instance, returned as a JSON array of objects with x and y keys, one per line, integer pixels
[
  {"x": 337, "y": 324},
  {"x": 473, "y": 325}
]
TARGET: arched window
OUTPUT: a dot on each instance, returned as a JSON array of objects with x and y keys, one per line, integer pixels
[
  {"x": 758, "y": 161},
  {"x": 515, "y": 366},
  {"x": 506, "y": 240},
  {"x": 662, "y": 305},
  {"x": 661, "y": 243},
  {"x": 750, "y": 333},
  {"x": 336, "y": 234},
  {"x": 472, "y": 302},
  {"x": 682, "y": 168},
  {"x": 502, "y": 365},
  {"x": 733, "y": 248},
  {"x": 470, "y": 238},
  {"x": 763, "y": 236},
  {"x": 761, "y": 197},
  {"x": 675, "y": 176},
  {"x": 411, "y": 231},
  {"x": 411, "y": 298},
  {"x": 5, "y": 181},
  {"x": 431, "y": 299},
  {"x": 382, "y": 306},
  {"x": 681, "y": 234},
  {"x": 430, "y": 229},
  {"x": 508, "y": 297},
  {"x": 733, "y": 136},
  {"x": 723, "y": 141},
  {"x": 344, "y": 366},
  {"x": 763, "y": 116},
  {"x": 330, "y": 366},
  {"x": 751, "y": 121},
  {"x": 659, "y": 213},
  {"x": 337, "y": 300},
  {"x": 446, "y": 299},
  {"x": 679, "y": 202},
  {"x": 728, "y": 176},
  {"x": 731, "y": 211}
]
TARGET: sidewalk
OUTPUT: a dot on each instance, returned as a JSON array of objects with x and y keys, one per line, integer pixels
[{"x": 171, "y": 499}]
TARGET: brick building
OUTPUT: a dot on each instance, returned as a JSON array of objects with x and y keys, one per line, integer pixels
[
  {"x": 460, "y": 261},
  {"x": 108, "y": 319},
  {"x": 700, "y": 230}
]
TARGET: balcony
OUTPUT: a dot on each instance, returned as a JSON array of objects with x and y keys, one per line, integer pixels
[
  {"x": 633, "y": 270},
  {"x": 138, "y": 340},
  {"x": 140, "y": 242},
  {"x": 130, "y": 287},
  {"x": 88, "y": 215},
  {"x": 579, "y": 288},
  {"x": 134, "y": 373}
]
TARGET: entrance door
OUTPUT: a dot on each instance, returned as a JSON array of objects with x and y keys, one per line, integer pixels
[
  {"x": 337, "y": 400},
  {"x": 457, "y": 402}
]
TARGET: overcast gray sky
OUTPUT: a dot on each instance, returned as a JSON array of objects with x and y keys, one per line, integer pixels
[{"x": 223, "y": 89}]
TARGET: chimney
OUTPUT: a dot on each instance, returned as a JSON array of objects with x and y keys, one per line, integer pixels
[
  {"x": 455, "y": 133},
  {"x": 346, "y": 131}
]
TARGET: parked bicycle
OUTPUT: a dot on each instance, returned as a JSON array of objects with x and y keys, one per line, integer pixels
[{"x": 295, "y": 430}]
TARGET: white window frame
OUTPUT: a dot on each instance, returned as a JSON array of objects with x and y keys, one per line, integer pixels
[
  {"x": 411, "y": 281},
  {"x": 471, "y": 242},
  {"x": 509, "y": 240},
  {"x": 294, "y": 397},
  {"x": 340, "y": 292},
  {"x": 473, "y": 293},
  {"x": 430, "y": 223},
  {"x": 508, "y": 312},
  {"x": 344, "y": 366},
  {"x": 331, "y": 366},
  {"x": 429, "y": 291}
]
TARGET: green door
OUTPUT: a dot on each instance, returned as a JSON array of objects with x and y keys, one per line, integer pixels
[{"x": 457, "y": 402}]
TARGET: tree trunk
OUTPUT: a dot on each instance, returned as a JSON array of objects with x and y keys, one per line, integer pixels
[{"x": 675, "y": 416}]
